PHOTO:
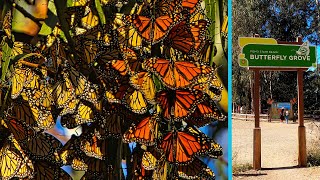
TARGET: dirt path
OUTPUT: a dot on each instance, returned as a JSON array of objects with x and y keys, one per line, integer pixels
[{"x": 279, "y": 150}]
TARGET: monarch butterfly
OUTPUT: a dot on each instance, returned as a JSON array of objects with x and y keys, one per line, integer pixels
[
  {"x": 190, "y": 4},
  {"x": 79, "y": 3},
  {"x": 21, "y": 77},
  {"x": 178, "y": 74},
  {"x": 139, "y": 171},
  {"x": 21, "y": 47},
  {"x": 95, "y": 168},
  {"x": 130, "y": 97},
  {"x": 129, "y": 36},
  {"x": 180, "y": 37},
  {"x": 198, "y": 32},
  {"x": 79, "y": 165},
  {"x": 118, "y": 21},
  {"x": 149, "y": 162},
  {"x": 107, "y": 2},
  {"x": 145, "y": 132},
  {"x": 13, "y": 162},
  {"x": 74, "y": 14},
  {"x": 44, "y": 170},
  {"x": 39, "y": 95},
  {"x": 69, "y": 109},
  {"x": 130, "y": 63},
  {"x": 42, "y": 115},
  {"x": 111, "y": 125},
  {"x": 77, "y": 80},
  {"x": 6, "y": 25},
  {"x": 88, "y": 50},
  {"x": 178, "y": 104},
  {"x": 83, "y": 114},
  {"x": 83, "y": 88},
  {"x": 54, "y": 55},
  {"x": 195, "y": 170},
  {"x": 200, "y": 14},
  {"x": 36, "y": 116},
  {"x": 62, "y": 92},
  {"x": 205, "y": 53},
  {"x": 107, "y": 55},
  {"x": 164, "y": 7},
  {"x": 43, "y": 147},
  {"x": 204, "y": 114},
  {"x": 144, "y": 82},
  {"x": 21, "y": 131},
  {"x": 135, "y": 101},
  {"x": 23, "y": 112},
  {"x": 182, "y": 146},
  {"x": 211, "y": 86},
  {"x": 51, "y": 38},
  {"x": 91, "y": 20},
  {"x": 94, "y": 147},
  {"x": 153, "y": 30}
]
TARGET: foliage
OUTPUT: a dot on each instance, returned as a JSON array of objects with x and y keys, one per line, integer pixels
[
  {"x": 128, "y": 73},
  {"x": 282, "y": 20},
  {"x": 313, "y": 150},
  {"x": 238, "y": 168}
]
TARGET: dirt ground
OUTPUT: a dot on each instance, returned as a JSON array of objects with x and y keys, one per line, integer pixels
[{"x": 279, "y": 152}]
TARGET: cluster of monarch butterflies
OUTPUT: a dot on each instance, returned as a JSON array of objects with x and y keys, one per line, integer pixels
[{"x": 140, "y": 77}]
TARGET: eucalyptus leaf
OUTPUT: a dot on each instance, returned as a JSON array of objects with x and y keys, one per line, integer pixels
[
  {"x": 157, "y": 82},
  {"x": 51, "y": 21},
  {"x": 100, "y": 12},
  {"x": 6, "y": 54}
]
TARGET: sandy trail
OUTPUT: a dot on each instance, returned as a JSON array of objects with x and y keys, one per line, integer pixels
[{"x": 279, "y": 150}]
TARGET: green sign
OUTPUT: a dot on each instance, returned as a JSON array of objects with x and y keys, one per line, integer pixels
[{"x": 278, "y": 55}]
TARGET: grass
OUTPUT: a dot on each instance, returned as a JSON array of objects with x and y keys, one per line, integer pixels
[
  {"x": 313, "y": 153},
  {"x": 238, "y": 168}
]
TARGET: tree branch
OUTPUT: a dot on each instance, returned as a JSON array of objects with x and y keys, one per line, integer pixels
[{"x": 27, "y": 14}]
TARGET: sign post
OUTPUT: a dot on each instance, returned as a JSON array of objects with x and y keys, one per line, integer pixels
[
  {"x": 257, "y": 129},
  {"x": 267, "y": 54}
]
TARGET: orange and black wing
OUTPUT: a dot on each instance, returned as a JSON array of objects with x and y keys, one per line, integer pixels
[
  {"x": 182, "y": 146},
  {"x": 180, "y": 74},
  {"x": 195, "y": 170},
  {"x": 144, "y": 132},
  {"x": 178, "y": 104},
  {"x": 180, "y": 38}
]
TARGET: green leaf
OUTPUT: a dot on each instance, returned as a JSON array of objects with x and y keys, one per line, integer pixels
[
  {"x": 157, "y": 82},
  {"x": 100, "y": 12},
  {"x": 210, "y": 7},
  {"x": 6, "y": 54},
  {"x": 51, "y": 21},
  {"x": 69, "y": 3}
]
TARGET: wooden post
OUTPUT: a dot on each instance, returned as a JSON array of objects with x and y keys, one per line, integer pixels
[
  {"x": 302, "y": 156},
  {"x": 256, "y": 130}
]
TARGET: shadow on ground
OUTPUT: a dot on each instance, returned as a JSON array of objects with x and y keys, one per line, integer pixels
[{"x": 263, "y": 171}]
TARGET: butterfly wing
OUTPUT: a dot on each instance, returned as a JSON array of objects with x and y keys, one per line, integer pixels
[
  {"x": 13, "y": 162},
  {"x": 144, "y": 82},
  {"x": 182, "y": 146},
  {"x": 144, "y": 132},
  {"x": 195, "y": 170},
  {"x": 178, "y": 104},
  {"x": 204, "y": 114},
  {"x": 129, "y": 36},
  {"x": 180, "y": 38},
  {"x": 21, "y": 131}
]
